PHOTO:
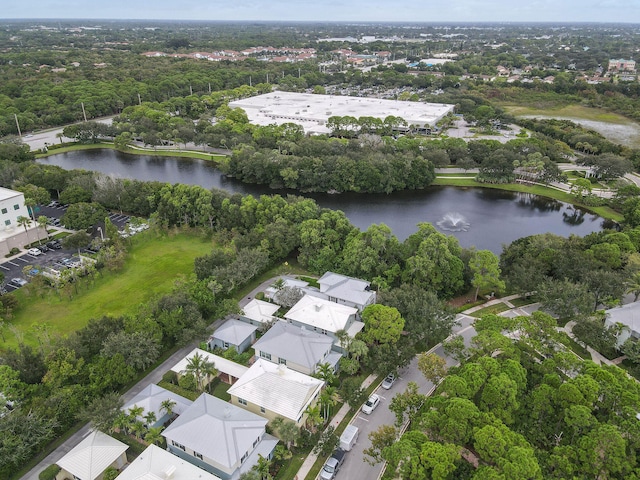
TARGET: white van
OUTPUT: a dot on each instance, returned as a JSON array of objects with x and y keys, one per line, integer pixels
[{"x": 349, "y": 437}]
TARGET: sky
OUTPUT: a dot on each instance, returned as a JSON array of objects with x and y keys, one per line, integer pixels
[{"x": 627, "y": 11}]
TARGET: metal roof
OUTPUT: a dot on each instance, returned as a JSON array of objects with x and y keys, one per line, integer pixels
[
  {"x": 234, "y": 331},
  {"x": 92, "y": 456},
  {"x": 321, "y": 314}
]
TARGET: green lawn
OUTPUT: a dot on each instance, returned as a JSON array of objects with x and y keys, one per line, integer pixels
[
  {"x": 153, "y": 264},
  {"x": 491, "y": 310}
]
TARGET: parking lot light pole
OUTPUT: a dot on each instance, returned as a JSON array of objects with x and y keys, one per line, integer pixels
[{"x": 101, "y": 234}]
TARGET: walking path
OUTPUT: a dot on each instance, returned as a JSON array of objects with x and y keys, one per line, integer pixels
[{"x": 596, "y": 356}]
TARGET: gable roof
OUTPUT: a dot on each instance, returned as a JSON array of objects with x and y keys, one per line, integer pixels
[
  {"x": 151, "y": 399},
  {"x": 628, "y": 315},
  {"x": 296, "y": 344},
  {"x": 260, "y": 311},
  {"x": 346, "y": 288},
  {"x": 218, "y": 430},
  {"x": 320, "y": 313},
  {"x": 92, "y": 456},
  {"x": 222, "y": 364},
  {"x": 156, "y": 463},
  {"x": 277, "y": 388},
  {"x": 234, "y": 331}
]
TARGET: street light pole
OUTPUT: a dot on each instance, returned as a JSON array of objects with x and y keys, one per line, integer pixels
[{"x": 101, "y": 234}]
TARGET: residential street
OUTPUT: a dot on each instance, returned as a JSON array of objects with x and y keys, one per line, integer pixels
[{"x": 354, "y": 467}]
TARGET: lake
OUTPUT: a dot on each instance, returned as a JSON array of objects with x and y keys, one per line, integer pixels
[{"x": 484, "y": 218}]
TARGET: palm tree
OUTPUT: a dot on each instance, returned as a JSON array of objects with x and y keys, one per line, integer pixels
[
  {"x": 343, "y": 339},
  {"x": 42, "y": 223},
  {"x": 358, "y": 349},
  {"x": 154, "y": 435},
  {"x": 122, "y": 423},
  {"x": 329, "y": 398},
  {"x": 167, "y": 405},
  {"x": 314, "y": 417},
  {"x": 633, "y": 286},
  {"x": 138, "y": 429},
  {"x": 24, "y": 222},
  {"x": 201, "y": 369},
  {"x": 135, "y": 413},
  {"x": 262, "y": 467},
  {"x": 325, "y": 372},
  {"x": 150, "y": 418}
]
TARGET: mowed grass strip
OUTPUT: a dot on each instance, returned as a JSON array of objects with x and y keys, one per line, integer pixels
[{"x": 153, "y": 264}]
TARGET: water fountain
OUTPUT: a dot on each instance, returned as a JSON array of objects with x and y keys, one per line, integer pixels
[{"x": 453, "y": 222}]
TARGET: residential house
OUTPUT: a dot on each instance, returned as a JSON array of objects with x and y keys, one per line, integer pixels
[
  {"x": 219, "y": 437},
  {"x": 91, "y": 457},
  {"x": 323, "y": 316},
  {"x": 233, "y": 334},
  {"x": 151, "y": 400},
  {"x": 628, "y": 318},
  {"x": 272, "y": 391},
  {"x": 259, "y": 313},
  {"x": 271, "y": 292},
  {"x": 296, "y": 347},
  {"x": 228, "y": 371},
  {"x": 349, "y": 291},
  {"x": 156, "y": 463}
]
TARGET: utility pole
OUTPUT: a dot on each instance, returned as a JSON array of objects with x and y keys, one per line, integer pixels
[
  {"x": 209, "y": 87},
  {"x": 298, "y": 72},
  {"x": 267, "y": 78},
  {"x": 84, "y": 114},
  {"x": 190, "y": 89},
  {"x": 17, "y": 124},
  {"x": 250, "y": 84},
  {"x": 139, "y": 100}
]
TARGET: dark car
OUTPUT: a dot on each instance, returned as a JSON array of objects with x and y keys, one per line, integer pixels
[
  {"x": 43, "y": 248},
  {"x": 331, "y": 466},
  {"x": 54, "y": 244}
]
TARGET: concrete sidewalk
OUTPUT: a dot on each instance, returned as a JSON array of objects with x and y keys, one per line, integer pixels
[{"x": 337, "y": 419}]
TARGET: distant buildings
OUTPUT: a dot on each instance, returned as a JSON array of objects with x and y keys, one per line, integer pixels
[{"x": 622, "y": 65}]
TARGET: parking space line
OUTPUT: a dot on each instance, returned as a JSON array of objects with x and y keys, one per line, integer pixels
[
  {"x": 4, "y": 268},
  {"x": 14, "y": 264},
  {"x": 22, "y": 260},
  {"x": 362, "y": 418}
]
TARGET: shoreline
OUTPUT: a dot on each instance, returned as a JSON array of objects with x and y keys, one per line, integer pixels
[{"x": 440, "y": 181}]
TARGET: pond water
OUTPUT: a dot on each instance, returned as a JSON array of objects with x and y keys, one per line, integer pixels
[{"x": 478, "y": 217}]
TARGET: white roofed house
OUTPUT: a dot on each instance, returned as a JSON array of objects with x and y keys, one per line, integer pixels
[
  {"x": 152, "y": 400},
  {"x": 156, "y": 463},
  {"x": 296, "y": 347},
  {"x": 627, "y": 317},
  {"x": 323, "y": 316},
  {"x": 349, "y": 291},
  {"x": 271, "y": 391},
  {"x": 91, "y": 457},
  {"x": 228, "y": 371},
  {"x": 219, "y": 437},
  {"x": 259, "y": 313}
]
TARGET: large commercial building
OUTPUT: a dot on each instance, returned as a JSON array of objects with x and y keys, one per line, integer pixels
[
  {"x": 12, "y": 207},
  {"x": 312, "y": 111}
]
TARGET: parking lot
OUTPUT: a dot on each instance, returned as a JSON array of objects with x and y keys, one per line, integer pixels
[{"x": 52, "y": 258}]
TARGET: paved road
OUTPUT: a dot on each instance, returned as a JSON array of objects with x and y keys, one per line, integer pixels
[
  {"x": 354, "y": 467},
  {"x": 41, "y": 139}
]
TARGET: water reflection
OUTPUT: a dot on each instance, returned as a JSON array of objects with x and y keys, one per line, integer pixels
[{"x": 496, "y": 217}]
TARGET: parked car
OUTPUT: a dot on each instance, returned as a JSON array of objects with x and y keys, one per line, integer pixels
[
  {"x": 371, "y": 404},
  {"x": 54, "y": 244},
  {"x": 18, "y": 282},
  {"x": 388, "y": 381},
  {"x": 331, "y": 466},
  {"x": 34, "y": 251},
  {"x": 349, "y": 437},
  {"x": 43, "y": 248}
]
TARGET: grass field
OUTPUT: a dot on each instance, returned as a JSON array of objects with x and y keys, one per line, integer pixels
[
  {"x": 613, "y": 126},
  {"x": 153, "y": 264},
  {"x": 604, "y": 212}
]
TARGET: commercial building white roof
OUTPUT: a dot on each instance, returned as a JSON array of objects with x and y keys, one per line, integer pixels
[
  {"x": 151, "y": 399},
  {"x": 92, "y": 456},
  {"x": 628, "y": 315},
  {"x": 321, "y": 314},
  {"x": 312, "y": 111},
  {"x": 156, "y": 463},
  {"x": 6, "y": 193},
  {"x": 260, "y": 311},
  {"x": 277, "y": 388},
  {"x": 234, "y": 331},
  {"x": 222, "y": 364},
  {"x": 295, "y": 344},
  {"x": 217, "y": 429}
]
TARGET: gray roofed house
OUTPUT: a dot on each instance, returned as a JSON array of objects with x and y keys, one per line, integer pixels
[
  {"x": 219, "y": 437},
  {"x": 324, "y": 316},
  {"x": 258, "y": 312},
  {"x": 151, "y": 399},
  {"x": 296, "y": 347},
  {"x": 349, "y": 291},
  {"x": 92, "y": 456},
  {"x": 629, "y": 317},
  {"x": 233, "y": 334}
]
